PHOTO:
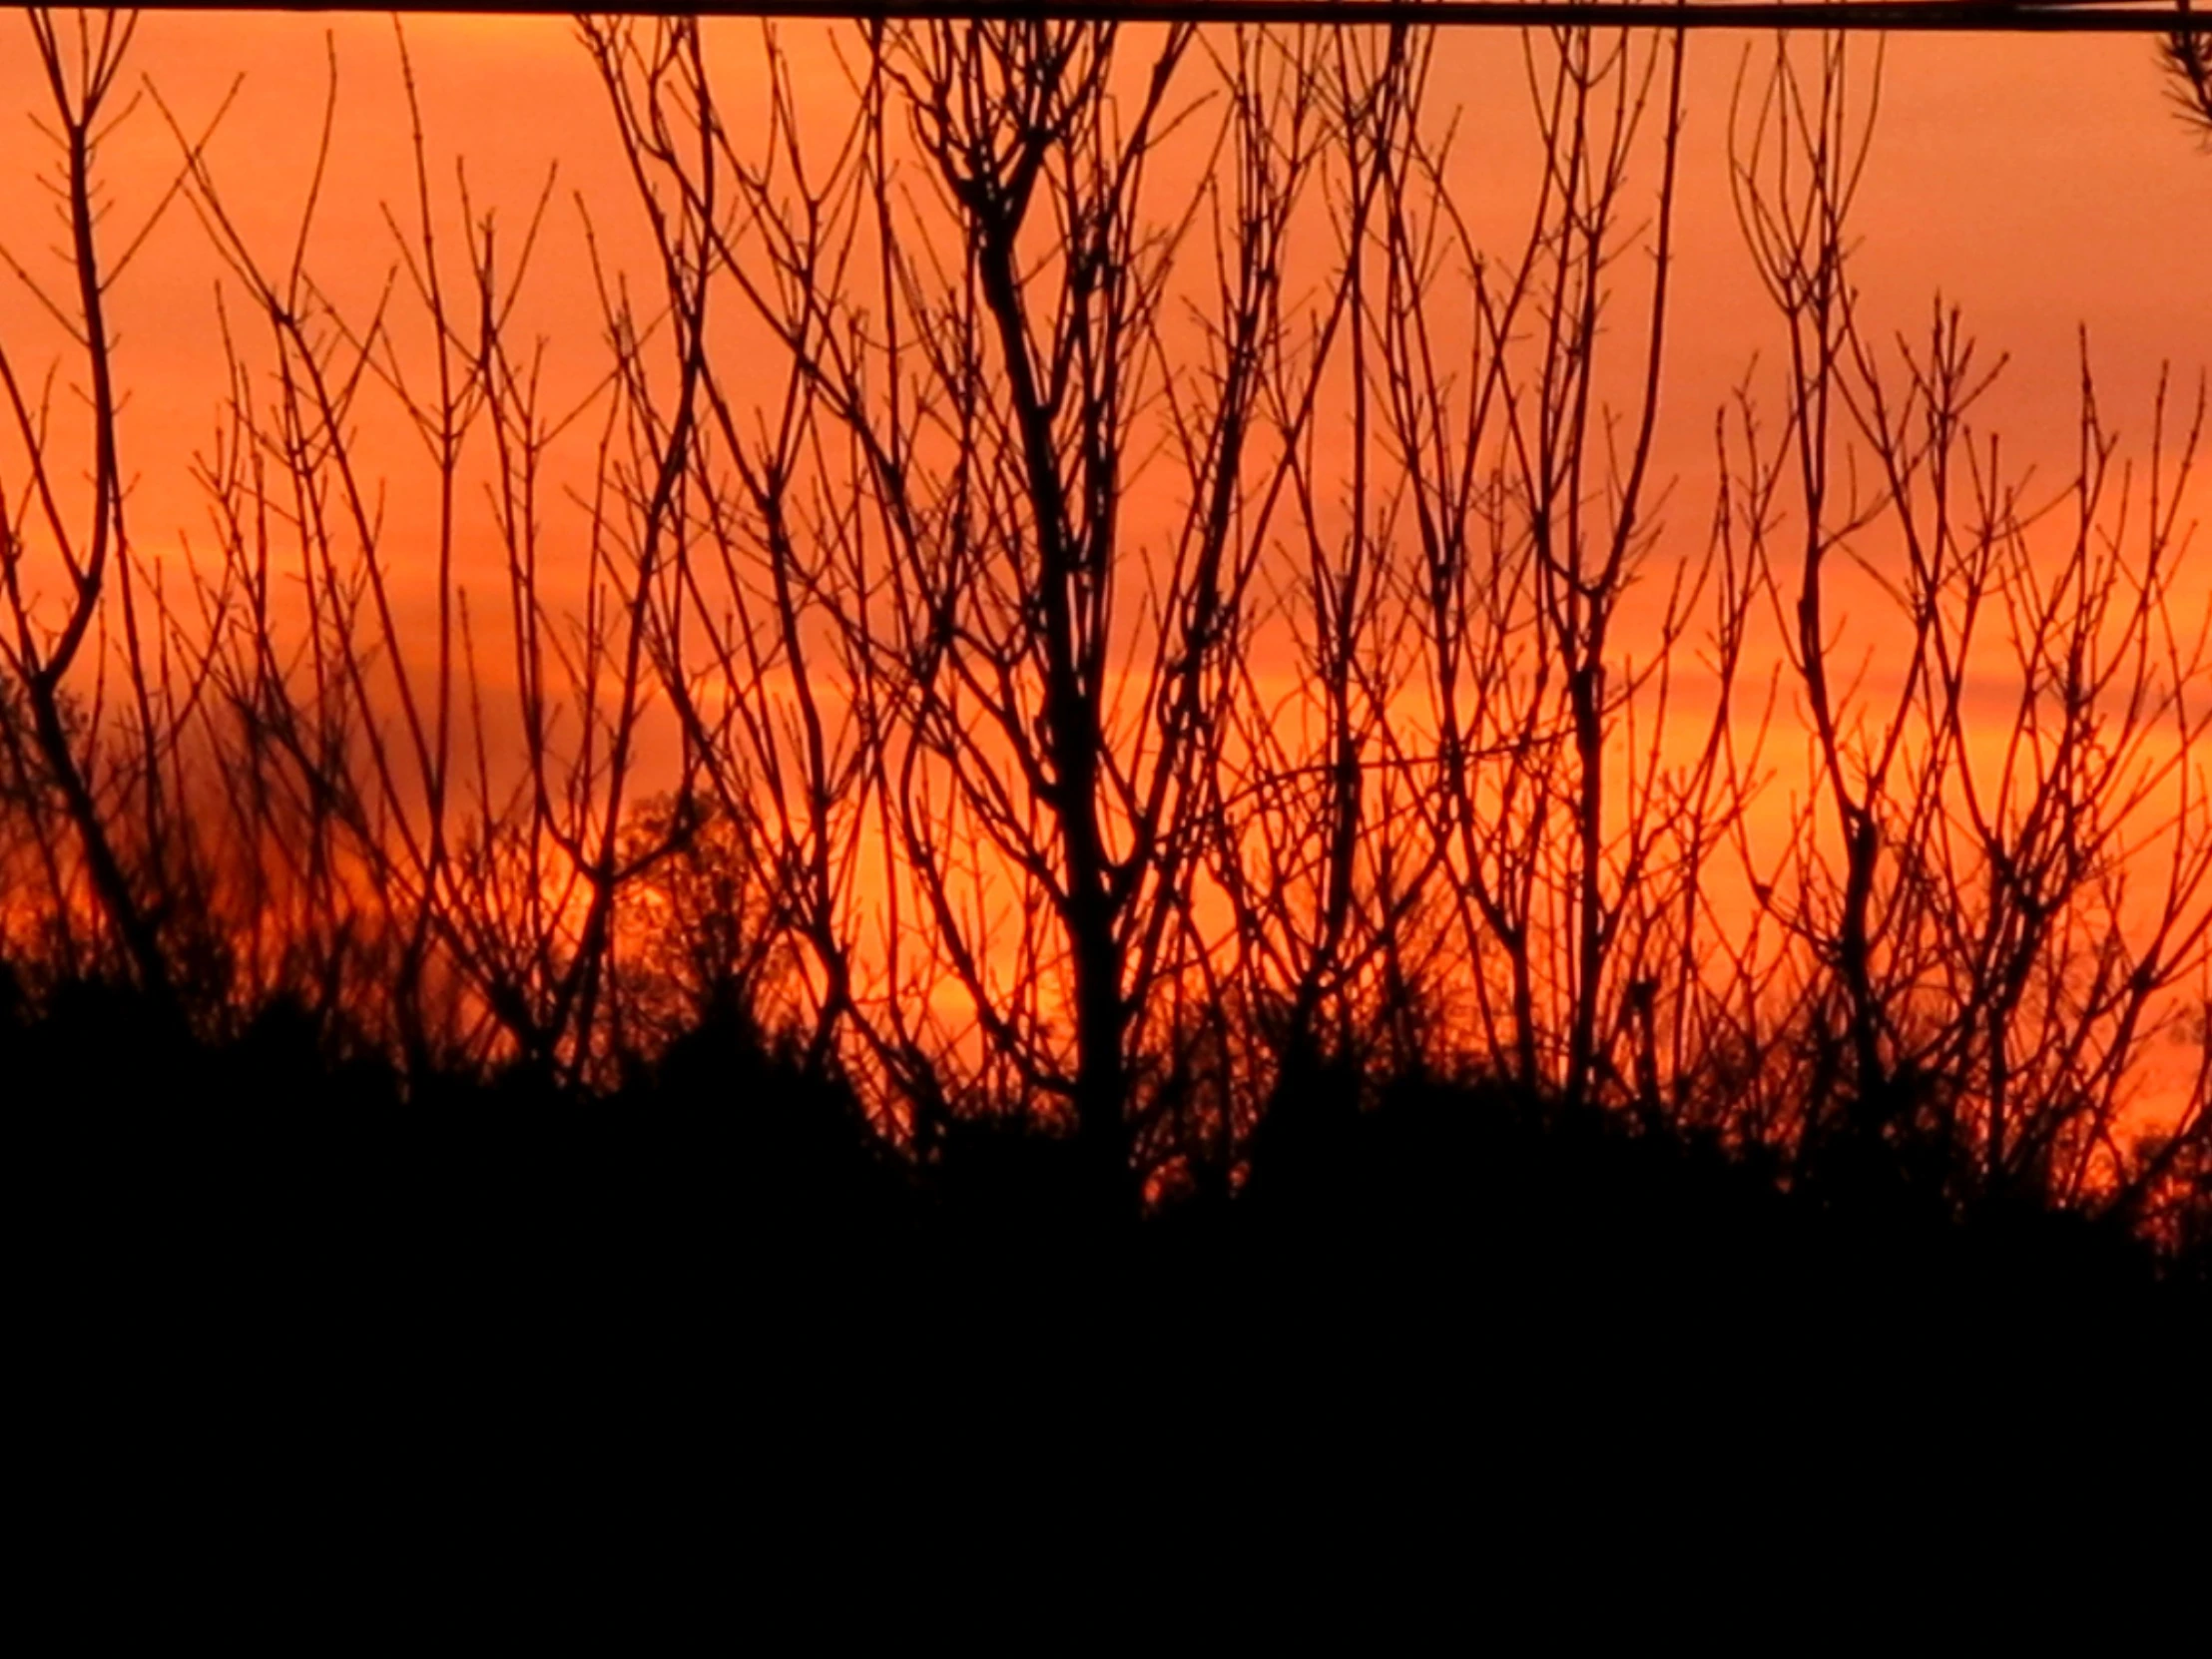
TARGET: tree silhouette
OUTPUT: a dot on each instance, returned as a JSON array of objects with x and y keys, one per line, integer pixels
[{"x": 1065, "y": 696}]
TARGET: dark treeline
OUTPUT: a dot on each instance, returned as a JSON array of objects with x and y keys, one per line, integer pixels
[
  {"x": 275, "y": 1175},
  {"x": 1091, "y": 738}
]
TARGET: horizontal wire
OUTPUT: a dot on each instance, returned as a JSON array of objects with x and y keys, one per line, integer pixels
[{"x": 1888, "y": 16}]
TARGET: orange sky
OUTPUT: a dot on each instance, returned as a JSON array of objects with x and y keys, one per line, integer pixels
[
  {"x": 2043, "y": 183},
  {"x": 2046, "y": 185}
]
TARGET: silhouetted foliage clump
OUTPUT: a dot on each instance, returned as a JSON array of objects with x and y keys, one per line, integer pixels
[{"x": 271, "y": 1174}]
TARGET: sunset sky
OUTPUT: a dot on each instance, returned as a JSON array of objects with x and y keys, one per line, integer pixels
[
  {"x": 2043, "y": 183},
  {"x": 2046, "y": 186}
]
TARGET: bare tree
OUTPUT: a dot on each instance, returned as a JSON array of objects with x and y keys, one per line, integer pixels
[
  {"x": 2010, "y": 886},
  {"x": 112, "y": 799},
  {"x": 493, "y": 885},
  {"x": 1034, "y": 705}
]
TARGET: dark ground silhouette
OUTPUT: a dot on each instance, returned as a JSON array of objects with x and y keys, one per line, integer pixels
[
  {"x": 285, "y": 1301},
  {"x": 272, "y": 1177}
]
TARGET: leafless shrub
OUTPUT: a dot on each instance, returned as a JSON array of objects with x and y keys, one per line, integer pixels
[{"x": 2004, "y": 891}]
